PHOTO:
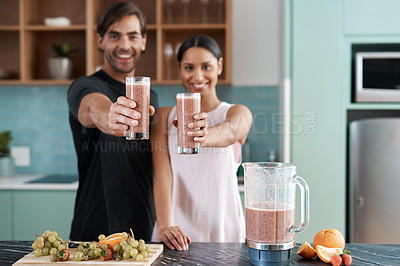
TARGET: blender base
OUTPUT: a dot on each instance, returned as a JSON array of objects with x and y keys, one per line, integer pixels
[
  {"x": 270, "y": 254},
  {"x": 270, "y": 257}
]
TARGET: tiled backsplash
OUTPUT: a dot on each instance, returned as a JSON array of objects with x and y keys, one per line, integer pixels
[{"x": 38, "y": 119}]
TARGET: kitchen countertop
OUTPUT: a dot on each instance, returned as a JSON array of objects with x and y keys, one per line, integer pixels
[
  {"x": 21, "y": 182},
  {"x": 230, "y": 254}
]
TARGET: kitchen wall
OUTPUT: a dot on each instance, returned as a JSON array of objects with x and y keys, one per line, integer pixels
[
  {"x": 257, "y": 35},
  {"x": 38, "y": 118},
  {"x": 38, "y": 115}
]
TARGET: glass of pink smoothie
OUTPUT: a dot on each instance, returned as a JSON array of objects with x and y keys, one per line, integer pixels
[
  {"x": 138, "y": 89},
  {"x": 187, "y": 105}
]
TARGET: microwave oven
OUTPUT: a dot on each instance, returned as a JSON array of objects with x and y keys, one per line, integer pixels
[{"x": 377, "y": 77}]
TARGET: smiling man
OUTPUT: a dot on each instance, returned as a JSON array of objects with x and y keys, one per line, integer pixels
[{"x": 115, "y": 175}]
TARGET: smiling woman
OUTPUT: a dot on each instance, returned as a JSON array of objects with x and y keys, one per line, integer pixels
[{"x": 181, "y": 181}]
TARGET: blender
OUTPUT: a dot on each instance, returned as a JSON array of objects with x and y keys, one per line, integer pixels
[{"x": 270, "y": 200}]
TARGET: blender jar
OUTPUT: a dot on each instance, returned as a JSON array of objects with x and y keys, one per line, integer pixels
[{"x": 270, "y": 200}]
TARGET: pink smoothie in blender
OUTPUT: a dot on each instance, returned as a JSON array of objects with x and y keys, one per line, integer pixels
[
  {"x": 268, "y": 223},
  {"x": 270, "y": 200}
]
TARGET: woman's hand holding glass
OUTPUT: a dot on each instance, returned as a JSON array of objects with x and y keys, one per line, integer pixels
[{"x": 199, "y": 127}]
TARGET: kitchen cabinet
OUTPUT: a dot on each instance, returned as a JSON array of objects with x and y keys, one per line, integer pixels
[
  {"x": 6, "y": 218},
  {"x": 29, "y": 212},
  {"x": 318, "y": 132},
  {"x": 26, "y": 42},
  {"x": 319, "y": 56},
  {"x": 371, "y": 17},
  {"x": 35, "y": 211}
]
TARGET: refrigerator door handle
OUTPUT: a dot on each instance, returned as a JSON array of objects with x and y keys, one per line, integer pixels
[{"x": 360, "y": 201}]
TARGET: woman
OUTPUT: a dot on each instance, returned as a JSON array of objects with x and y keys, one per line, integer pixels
[{"x": 200, "y": 192}]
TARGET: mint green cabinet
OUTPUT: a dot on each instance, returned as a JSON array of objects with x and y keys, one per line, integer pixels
[
  {"x": 38, "y": 210},
  {"x": 6, "y": 217},
  {"x": 318, "y": 117},
  {"x": 318, "y": 39},
  {"x": 371, "y": 17}
]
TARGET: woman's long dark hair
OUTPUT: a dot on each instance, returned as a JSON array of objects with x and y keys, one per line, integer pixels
[{"x": 202, "y": 41}]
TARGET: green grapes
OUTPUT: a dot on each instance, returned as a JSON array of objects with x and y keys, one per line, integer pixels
[
  {"x": 53, "y": 251},
  {"x": 126, "y": 248},
  {"x": 134, "y": 253},
  {"x": 126, "y": 255},
  {"x": 97, "y": 252},
  {"x": 38, "y": 252},
  {"x": 45, "y": 251},
  {"x": 101, "y": 237},
  {"x": 124, "y": 235},
  {"x": 139, "y": 257},
  {"x": 48, "y": 243},
  {"x": 52, "y": 238},
  {"x": 78, "y": 256}
]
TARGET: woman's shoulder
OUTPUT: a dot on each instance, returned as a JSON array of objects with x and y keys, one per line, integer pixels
[
  {"x": 240, "y": 110},
  {"x": 240, "y": 107}
]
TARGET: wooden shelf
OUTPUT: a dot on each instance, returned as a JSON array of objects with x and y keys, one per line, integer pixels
[
  {"x": 37, "y": 82},
  {"x": 193, "y": 26},
  {"x": 54, "y": 28},
  {"x": 26, "y": 40},
  {"x": 9, "y": 28},
  {"x": 148, "y": 27}
]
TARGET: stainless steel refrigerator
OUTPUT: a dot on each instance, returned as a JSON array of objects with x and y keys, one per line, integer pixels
[{"x": 374, "y": 181}]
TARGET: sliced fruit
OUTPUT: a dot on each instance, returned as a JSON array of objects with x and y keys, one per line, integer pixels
[
  {"x": 112, "y": 240},
  {"x": 306, "y": 251},
  {"x": 325, "y": 254},
  {"x": 330, "y": 238}
]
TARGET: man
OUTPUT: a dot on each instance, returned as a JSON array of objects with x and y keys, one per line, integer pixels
[{"x": 115, "y": 175}]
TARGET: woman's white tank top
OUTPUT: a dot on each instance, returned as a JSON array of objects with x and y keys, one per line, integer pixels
[{"x": 205, "y": 195}]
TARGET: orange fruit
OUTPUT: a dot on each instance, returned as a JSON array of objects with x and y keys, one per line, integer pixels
[
  {"x": 330, "y": 238},
  {"x": 112, "y": 240},
  {"x": 307, "y": 251},
  {"x": 325, "y": 254}
]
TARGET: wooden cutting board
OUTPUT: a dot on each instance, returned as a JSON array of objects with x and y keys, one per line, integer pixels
[{"x": 156, "y": 250}]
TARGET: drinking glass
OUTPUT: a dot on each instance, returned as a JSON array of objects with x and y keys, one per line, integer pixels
[
  {"x": 168, "y": 56},
  {"x": 187, "y": 105},
  {"x": 138, "y": 89},
  {"x": 185, "y": 4},
  {"x": 204, "y": 11},
  {"x": 169, "y": 6}
]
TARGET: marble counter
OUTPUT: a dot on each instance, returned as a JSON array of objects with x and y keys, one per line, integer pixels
[{"x": 230, "y": 254}]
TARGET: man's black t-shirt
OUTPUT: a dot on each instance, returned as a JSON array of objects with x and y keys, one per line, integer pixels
[{"x": 115, "y": 190}]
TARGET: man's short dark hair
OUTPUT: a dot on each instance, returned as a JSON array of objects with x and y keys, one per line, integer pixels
[{"x": 115, "y": 12}]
